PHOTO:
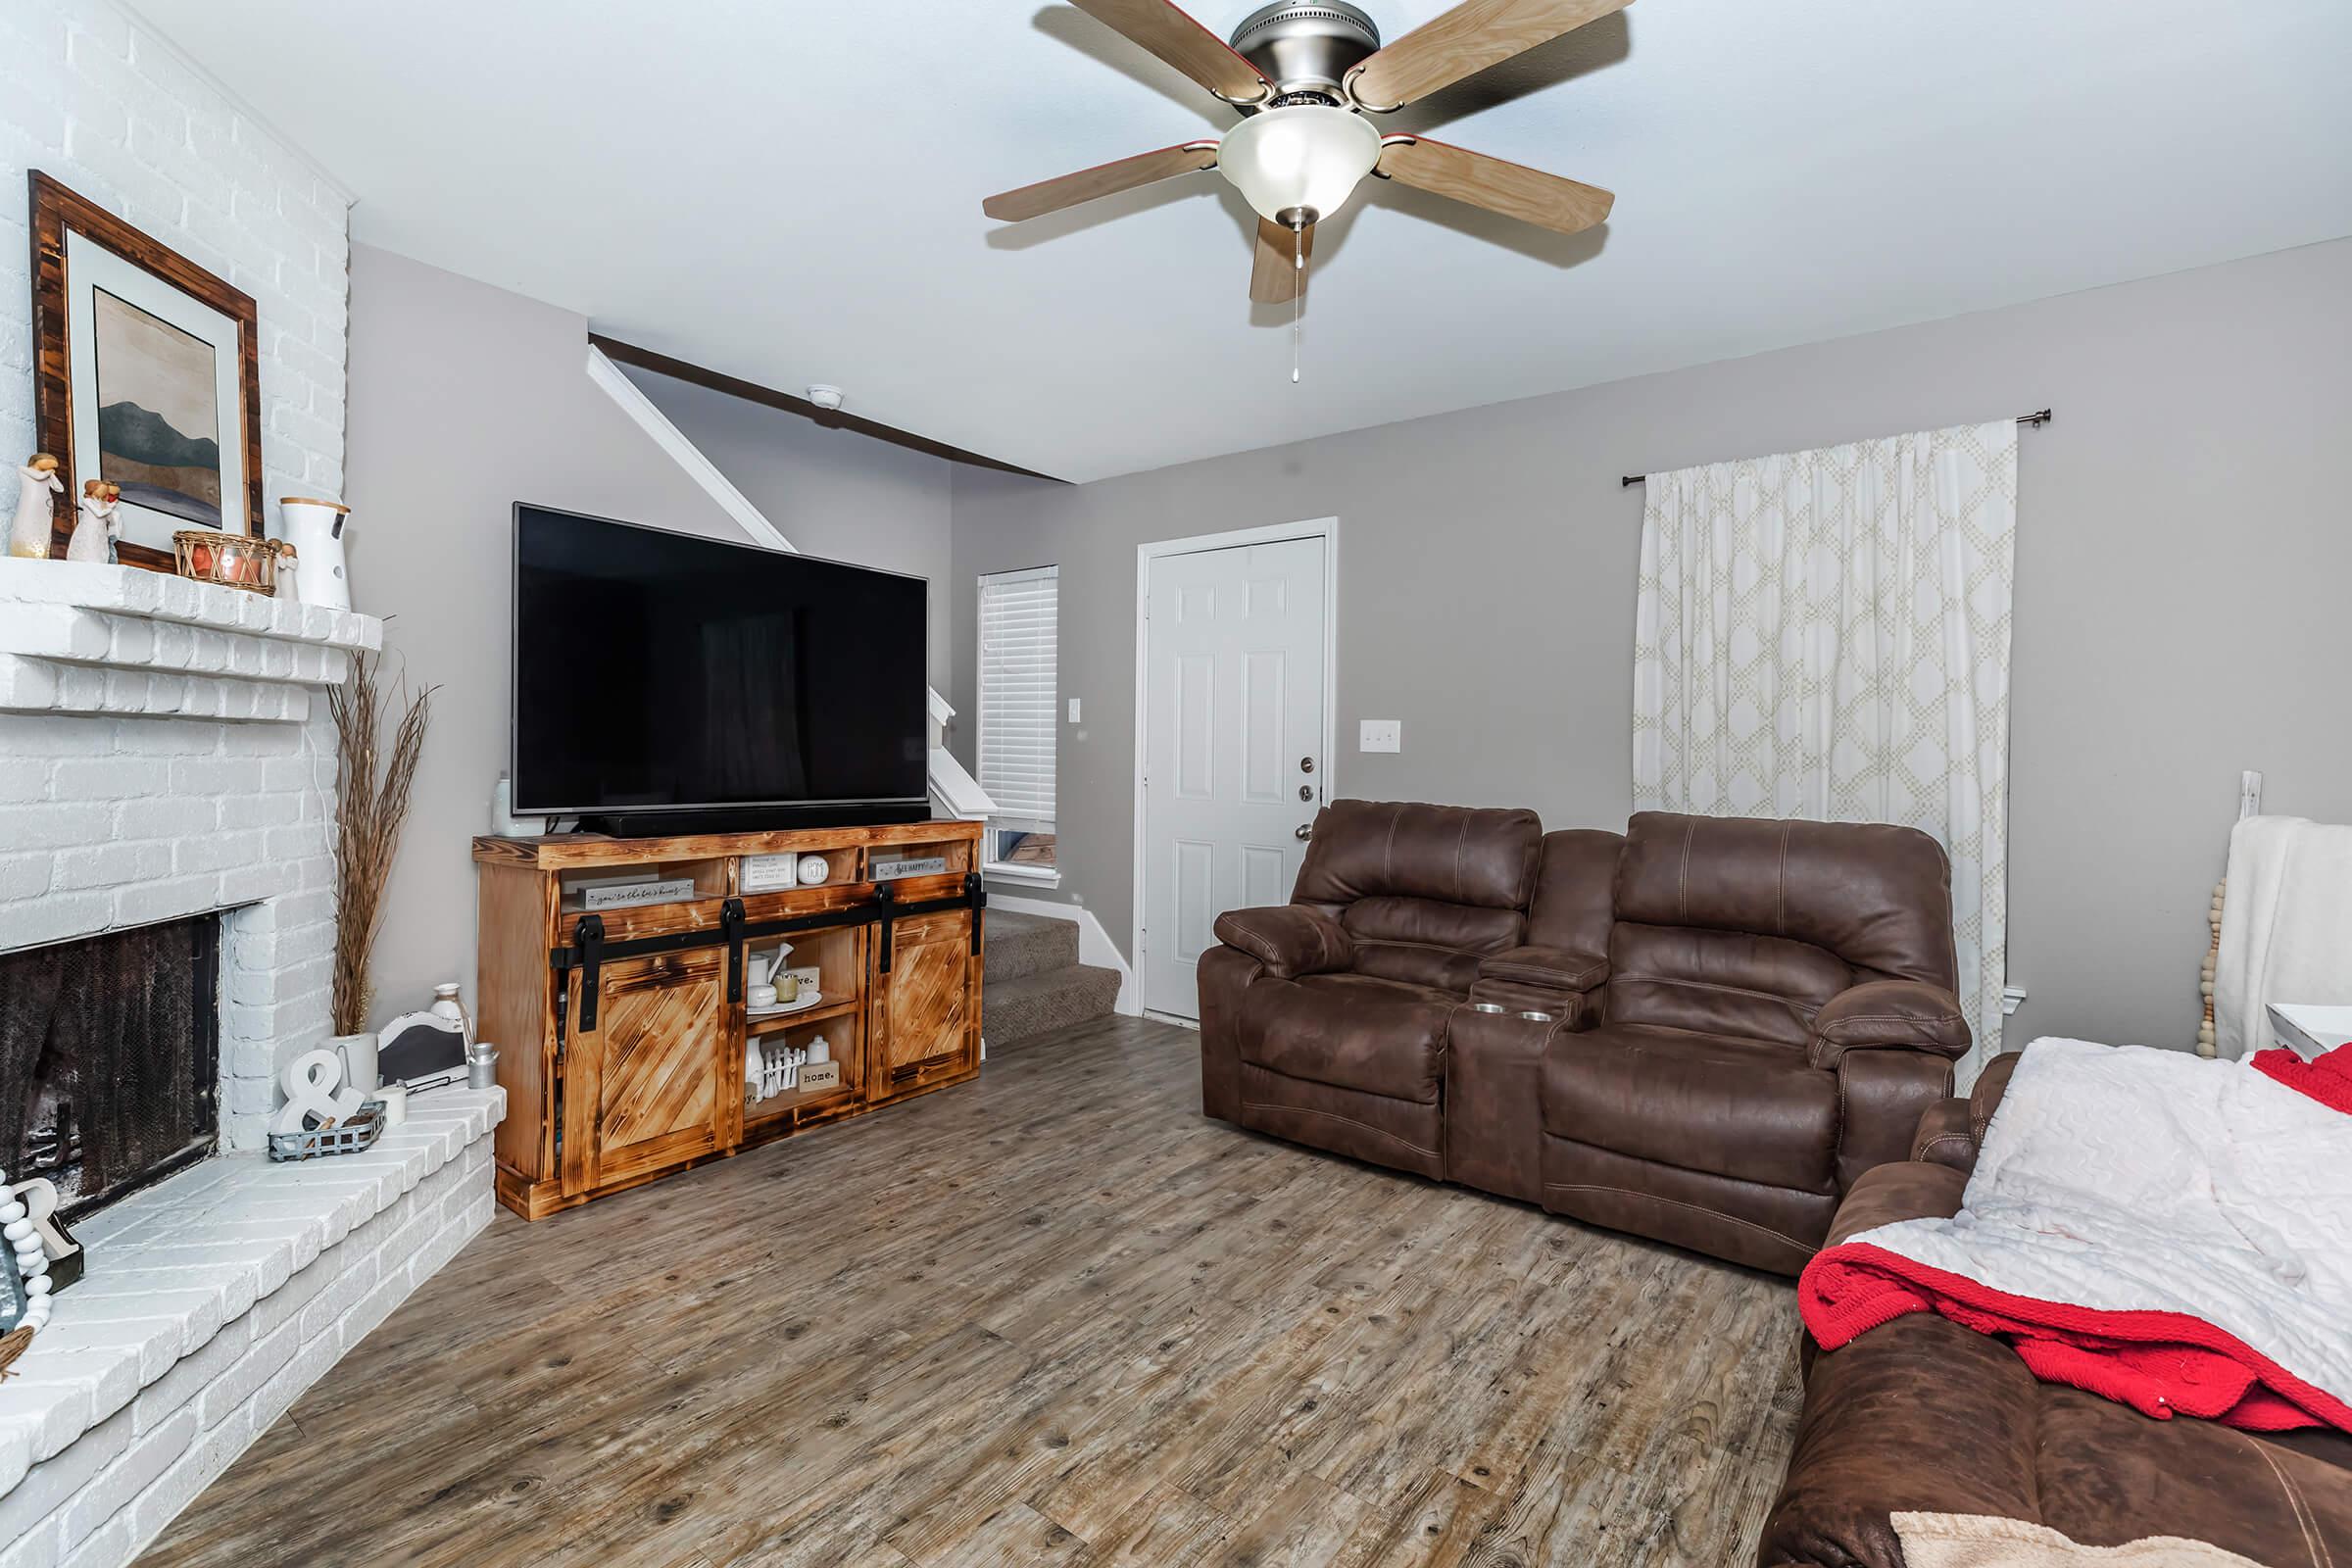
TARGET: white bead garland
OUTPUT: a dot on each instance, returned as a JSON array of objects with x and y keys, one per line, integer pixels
[{"x": 16, "y": 1223}]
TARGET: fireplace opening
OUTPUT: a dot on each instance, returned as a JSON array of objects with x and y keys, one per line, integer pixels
[{"x": 110, "y": 1059}]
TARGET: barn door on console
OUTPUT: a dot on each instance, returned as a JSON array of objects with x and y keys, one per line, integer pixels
[
  {"x": 925, "y": 1013},
  {"x": 649, "y": 1086},
  {"x": 1233, "y": 730}
]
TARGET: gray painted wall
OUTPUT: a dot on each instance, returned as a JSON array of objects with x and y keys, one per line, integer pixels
[
  {"x": 832, "y": 493},
  {"x": 2183, "y": 550},
  {"x": 463, "y": 400}
]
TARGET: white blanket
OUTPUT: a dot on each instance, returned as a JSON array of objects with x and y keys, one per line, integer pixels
[
  {"x": 2125, "y": 1179},
  {"x": 2287, "y": 926}
]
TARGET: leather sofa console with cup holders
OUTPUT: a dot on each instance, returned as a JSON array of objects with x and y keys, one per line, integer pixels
[{"x": 1702, "y": 1030}]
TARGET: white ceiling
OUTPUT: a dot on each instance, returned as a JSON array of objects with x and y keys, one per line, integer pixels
[{"x": 790, "y": 192}]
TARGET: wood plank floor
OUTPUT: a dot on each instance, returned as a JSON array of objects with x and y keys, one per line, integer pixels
[{"x": 1050, "y": 1317}]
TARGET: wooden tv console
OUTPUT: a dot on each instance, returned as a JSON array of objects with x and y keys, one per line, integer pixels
[{"x": 622, "y": 1031}]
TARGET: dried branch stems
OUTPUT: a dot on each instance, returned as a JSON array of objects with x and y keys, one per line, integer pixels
[{"x": 372, "y": 789}]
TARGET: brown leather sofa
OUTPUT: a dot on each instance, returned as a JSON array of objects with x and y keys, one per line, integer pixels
[
  {"x": 1702, "y": 1031},
  {"x": 1326, "y": 1020},
  {"x": 1779, "y": 1012},
  {"x": 1921, "y": 1415}
]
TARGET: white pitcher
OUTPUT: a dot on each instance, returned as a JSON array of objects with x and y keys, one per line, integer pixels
[{"x": 314, "y": 528}]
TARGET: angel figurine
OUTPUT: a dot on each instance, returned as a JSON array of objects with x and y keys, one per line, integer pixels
[
  {"x": 95, "y": 534},
  {"x": 37, "y": 480}
]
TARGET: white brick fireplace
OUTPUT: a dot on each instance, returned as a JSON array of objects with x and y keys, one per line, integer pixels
[
  {"x": 119, "y": 808},
  {"x": 165, "y": 752},
  {"x": 106, "y": 823}
]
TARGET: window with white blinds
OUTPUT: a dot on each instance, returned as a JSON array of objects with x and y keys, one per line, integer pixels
[{"x": 1018, "y": 615}]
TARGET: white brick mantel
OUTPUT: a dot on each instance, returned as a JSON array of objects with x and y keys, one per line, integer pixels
[{"x": 78, "y": 637}]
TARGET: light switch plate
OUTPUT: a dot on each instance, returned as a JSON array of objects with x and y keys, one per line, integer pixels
[
  {"x": 1073, "y": 710},
  {"x": 1381, "y": 735}
]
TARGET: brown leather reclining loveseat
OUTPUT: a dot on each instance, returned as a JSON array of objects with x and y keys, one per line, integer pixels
[
  {"x": 1923, "y": 1416},
  {"x": 1703, "y": 1030}
]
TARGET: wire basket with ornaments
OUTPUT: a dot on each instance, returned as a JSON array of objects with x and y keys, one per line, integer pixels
[
  {"x": 353, "y": 1133},
  {"x": 24, "y": 1283},
  {"x": 231, "y": 560}
]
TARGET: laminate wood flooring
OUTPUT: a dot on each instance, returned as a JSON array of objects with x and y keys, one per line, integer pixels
[{"x": 1052, "y": 1317}]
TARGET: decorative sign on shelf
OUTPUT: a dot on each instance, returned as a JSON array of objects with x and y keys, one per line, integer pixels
[
  {"x": 770, "y": 874},
  {"x": 630, "y": 895},
  {"x": 421, "y": 1051},
  {"x": 910, "y": 865},
  {"x": 819, "y": 1075}
]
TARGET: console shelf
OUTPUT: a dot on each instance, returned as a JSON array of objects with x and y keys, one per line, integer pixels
[
  {"x": 623, "y": 1030},
  {"x": 822, "y": 1012}
]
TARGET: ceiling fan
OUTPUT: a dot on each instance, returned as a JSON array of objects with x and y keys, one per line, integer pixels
[{"x": 1308, "y": 74}]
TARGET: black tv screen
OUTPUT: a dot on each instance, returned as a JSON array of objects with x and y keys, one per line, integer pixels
[{"x": 659, "y": 671}]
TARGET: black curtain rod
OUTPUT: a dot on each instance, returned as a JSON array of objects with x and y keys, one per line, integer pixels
[{"x": 2042, "y": 417}]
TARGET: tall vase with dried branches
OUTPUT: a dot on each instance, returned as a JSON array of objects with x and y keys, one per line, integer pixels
[{"x": 372, "y": 803}]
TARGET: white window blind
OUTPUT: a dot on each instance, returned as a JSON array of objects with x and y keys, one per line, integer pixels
[{"x": 1018, "y": 615}]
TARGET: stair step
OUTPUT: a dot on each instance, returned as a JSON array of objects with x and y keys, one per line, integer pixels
[
  {"x": 1015, "y": 1010},
  {"x": 1017, "y": 946}
]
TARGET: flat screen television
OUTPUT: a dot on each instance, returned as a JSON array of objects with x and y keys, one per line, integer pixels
[{"x": 659, "y": 675}]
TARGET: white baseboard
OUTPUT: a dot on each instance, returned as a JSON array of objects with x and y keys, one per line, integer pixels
[{"x": 1095, "y": 945}]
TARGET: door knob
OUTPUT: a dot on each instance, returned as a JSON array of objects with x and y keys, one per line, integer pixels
[{"x": 1303, "y": 832}]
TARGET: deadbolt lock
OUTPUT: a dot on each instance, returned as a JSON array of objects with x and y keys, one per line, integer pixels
[
  {"x": 1307, "y": 764},
  {"x": 1306, "y": 792}
]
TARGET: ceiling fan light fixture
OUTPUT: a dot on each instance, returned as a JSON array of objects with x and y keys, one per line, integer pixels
[{"x": 1299, "y": 164}]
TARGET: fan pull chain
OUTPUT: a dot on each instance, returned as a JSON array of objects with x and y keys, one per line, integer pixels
[{"x": 1298, "y": 292}]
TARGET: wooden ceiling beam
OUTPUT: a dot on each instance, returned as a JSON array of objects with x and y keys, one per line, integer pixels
[{"x": 830, "y": 418}]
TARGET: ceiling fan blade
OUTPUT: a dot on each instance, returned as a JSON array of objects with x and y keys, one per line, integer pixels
[
  {"x": 1103, "y": 179},
  {"x": 1473, "y": 35},
  {"x": 1514, "y": 190},
  {"x": 1277, "y": 278},
  {"x": 1175, "y": 38}
]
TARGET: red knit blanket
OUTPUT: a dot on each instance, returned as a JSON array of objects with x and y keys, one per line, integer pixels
[
  {"x": 2327, "y": 1080},
  {"x": 2160, "y": 1363}
]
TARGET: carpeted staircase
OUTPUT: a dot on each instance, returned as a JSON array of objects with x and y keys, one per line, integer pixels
[{"x": 1033, "y": 983}]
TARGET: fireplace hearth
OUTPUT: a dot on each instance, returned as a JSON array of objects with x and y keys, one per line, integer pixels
[{"x": 110, "y": 1059}]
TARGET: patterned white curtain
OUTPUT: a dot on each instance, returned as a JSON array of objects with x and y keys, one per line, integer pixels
[{"x": 1826, "y": 635}]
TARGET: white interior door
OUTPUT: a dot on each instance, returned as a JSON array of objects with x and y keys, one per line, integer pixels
[{"x": 1233, "y": 745}]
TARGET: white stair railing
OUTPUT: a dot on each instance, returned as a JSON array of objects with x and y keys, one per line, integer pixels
[{"x": 953, "y": 790}]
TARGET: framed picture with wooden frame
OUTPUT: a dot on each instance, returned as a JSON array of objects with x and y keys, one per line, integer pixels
[{"x": 146, "y": 374}]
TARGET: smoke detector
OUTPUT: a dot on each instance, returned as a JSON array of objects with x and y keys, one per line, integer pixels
[{"x": 827, "y": 398}]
